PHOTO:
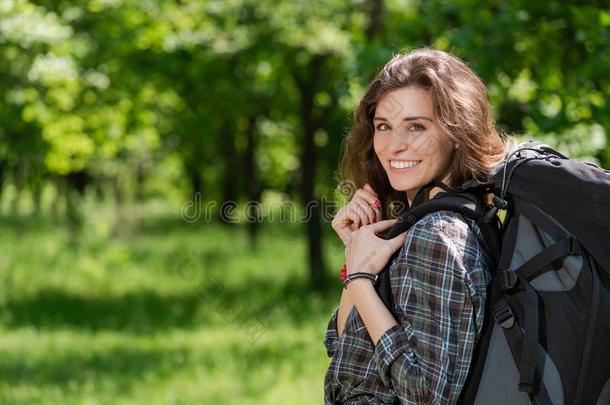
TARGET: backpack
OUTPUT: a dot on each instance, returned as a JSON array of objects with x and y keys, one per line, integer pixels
[{"x": 546, "y": 334}]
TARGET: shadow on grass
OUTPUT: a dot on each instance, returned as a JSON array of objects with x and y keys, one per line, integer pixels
[
  {"x": 123, "y": 368},
  {"x": 261, "y": 300},
  {"x": 126, "y": 365}
]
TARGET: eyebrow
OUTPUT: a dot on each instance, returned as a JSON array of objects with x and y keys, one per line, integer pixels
[{"x": 411, "y": 118}]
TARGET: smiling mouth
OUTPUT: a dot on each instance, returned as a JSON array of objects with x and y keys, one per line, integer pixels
[{"x": 403, "y": 165}]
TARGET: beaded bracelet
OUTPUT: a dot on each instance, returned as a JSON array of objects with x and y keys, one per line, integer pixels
[
  {"x": 343, "y": 272},
  {"x": 356, "y": 275}
]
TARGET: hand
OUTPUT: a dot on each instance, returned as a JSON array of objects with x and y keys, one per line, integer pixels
[
  {"x": 368, "y": 253},
  {"x": 363, "y": 209}
]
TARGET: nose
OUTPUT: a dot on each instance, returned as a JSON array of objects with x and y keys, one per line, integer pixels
[{"x": 398, "y": 142}]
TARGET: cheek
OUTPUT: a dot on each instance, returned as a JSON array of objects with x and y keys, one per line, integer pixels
[
  {"x": 443, "y": 148},
  {"x": 379, "y": 144},
  {"x": 446, "y": 156},
  {"x": 437, "y": 152}
]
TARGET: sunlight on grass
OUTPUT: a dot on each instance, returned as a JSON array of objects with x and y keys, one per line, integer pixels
[{"x": 168, "y": 312}]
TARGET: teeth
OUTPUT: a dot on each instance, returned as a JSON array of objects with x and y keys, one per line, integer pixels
[{"x": 402, "y": 164}]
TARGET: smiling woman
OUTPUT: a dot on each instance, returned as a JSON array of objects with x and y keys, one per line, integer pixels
[
  {"x": 425, "y": 117},
  {"x": 418, "y": 96},
  {"x": 411, "y": 141}
]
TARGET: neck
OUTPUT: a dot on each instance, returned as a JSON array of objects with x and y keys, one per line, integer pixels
[{"x": 429, "y": 194}]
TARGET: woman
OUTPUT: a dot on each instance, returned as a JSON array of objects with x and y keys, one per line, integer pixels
[{"x": 424, "y": 117}]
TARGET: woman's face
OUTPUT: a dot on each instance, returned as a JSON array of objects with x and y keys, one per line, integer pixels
[{"x": 411, "y": 146}]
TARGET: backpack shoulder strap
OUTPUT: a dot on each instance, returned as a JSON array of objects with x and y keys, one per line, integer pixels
[{"x": 469, "y": 205}]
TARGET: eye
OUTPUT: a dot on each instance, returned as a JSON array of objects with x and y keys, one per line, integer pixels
[
  {"x": 382, "y": 127},
  {"x": 417, "y": 127}
]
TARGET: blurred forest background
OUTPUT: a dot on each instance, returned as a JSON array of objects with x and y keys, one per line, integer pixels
[{"x": 124, "y": 123}]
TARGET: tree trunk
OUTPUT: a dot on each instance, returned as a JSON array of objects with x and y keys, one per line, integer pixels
[
  {"x": 18, "y": 184},
  {"x": 37, "y": 196},
  {"x": 60, "y": 192},
  {"x": 196, "y": 184},
  {"x": 231, "y": 169},
  {"x": 76, "y": 185},
  {"x": 309, "y": 160},
  {"x": 140, "y": 177},
  {"x": 3, "y": 167},
  {"x": 253, "y": 184},
  {"x": 375, "y": 25}
]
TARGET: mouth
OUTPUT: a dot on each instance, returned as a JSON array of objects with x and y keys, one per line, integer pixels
[{"x": 401, "y": 166}]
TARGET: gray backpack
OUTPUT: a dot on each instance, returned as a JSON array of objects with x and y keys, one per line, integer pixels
[{"x": 546, "y": 336}]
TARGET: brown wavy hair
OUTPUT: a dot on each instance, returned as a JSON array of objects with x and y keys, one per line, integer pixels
[{"x": 461, "y": 108}]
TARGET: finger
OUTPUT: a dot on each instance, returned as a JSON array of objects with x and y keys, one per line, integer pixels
[
  {"x": 366, "y": 210},
  {"x": 382, "y": 225},
  {"x": 349, "y": 216},
  {"x": 367, "y": 213},
  {"x": 371, "y": 198},
  {"x": 397, "y": 242},
  {"x": 369, "y": 189},
  {"x": 375, "y": 201},
  {"x": 372, "y": 204},
  {"x": 361, "y": 212}
]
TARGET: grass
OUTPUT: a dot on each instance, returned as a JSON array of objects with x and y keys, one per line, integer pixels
[{"x": 157, "y": 310}]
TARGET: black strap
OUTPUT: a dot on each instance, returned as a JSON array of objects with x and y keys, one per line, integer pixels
[
  {"x": 509, "y": 240},
  {"x": 479, "y": 356},
  {"x": 541, "y": 262},
  {"x": 467, "y": 205},
  {"x": 506, "y": 318},
  {"x": 421, "y": 193},
  {"x": 383, "y": 286},
  {"x": 523, "y": 344},
  {"x": 540, "y": 219},
  {"x": 531, "y": 326}
]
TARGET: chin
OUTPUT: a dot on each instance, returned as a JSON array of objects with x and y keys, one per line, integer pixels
[
  {"x": 405, "y": 181},
  {"x": 402, "y": 184}
]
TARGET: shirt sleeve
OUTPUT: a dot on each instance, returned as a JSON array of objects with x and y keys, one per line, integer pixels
[
  {"x": 426, "y": 356},
  {"x": 331, "y": 339}
]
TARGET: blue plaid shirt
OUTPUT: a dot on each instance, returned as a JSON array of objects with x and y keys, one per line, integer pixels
[{"x": 439, "y": 281}]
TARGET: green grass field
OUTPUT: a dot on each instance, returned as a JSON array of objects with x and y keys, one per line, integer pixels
[{"x": 157, "y": 310}]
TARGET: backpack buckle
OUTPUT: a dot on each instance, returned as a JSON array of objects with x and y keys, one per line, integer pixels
[
  {"x": 503, "y": 314},
  {"x": 500, "y": 202},
  {"x": 575, "y": 247},
  {"x": 508, "y": 280}
]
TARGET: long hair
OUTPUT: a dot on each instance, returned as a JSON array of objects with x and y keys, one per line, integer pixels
[{"x": 461, "y": 109}]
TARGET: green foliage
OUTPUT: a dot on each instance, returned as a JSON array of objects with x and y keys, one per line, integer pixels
[{"x": 112, "y": 87}]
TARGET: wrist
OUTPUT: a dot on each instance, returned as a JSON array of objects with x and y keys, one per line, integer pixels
[
  {"x": 360, "y": 284},
  {"x": 363, "y": 276},
  {"x": 366, "y": 266}
]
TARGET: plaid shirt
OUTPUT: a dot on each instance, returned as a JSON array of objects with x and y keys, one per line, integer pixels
[{"x": 438, "y": 281}]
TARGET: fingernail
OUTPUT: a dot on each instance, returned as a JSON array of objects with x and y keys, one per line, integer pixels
[{"x": 377, "y": 203}]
